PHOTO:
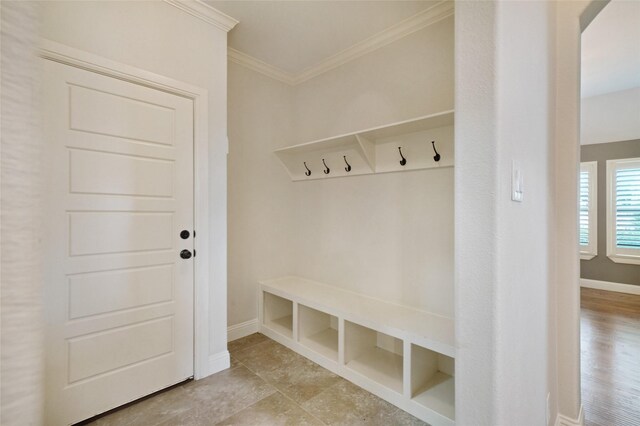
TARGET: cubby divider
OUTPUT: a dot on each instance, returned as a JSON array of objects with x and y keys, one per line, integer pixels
[{"x": 399, "y": 353}]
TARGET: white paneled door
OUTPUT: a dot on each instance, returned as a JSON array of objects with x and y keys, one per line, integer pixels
[{"x": 119, "y": 294}]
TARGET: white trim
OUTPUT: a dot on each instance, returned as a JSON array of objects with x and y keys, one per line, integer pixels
[
  {"x": 243, "y": 329},
  {"x": 80, "y": 59},
  {"x": 88, "y": 61},
  {"x": 206, "y": 13},
  {"x": 562, "y": 420},
  {"x": 420, "y": 20},
  {"x": 610, "y": 286},
  {"x": 259, "y": 66},
  {"x": 590, "y": 251},
  {"x": 218, "y": 362},
  {"x": 615, "y": 253}
]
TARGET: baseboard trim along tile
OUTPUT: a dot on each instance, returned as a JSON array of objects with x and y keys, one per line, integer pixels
[{"x": 243, "y": 329}]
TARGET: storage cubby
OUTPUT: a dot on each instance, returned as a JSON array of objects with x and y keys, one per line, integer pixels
[
  {"x": 278, "y": 314},
  {"x": 375, "y": 355},
  {"x": 318, "y": 331},
  {"x": 364, "y": 339},
  {"x": 432, "y": 380}
]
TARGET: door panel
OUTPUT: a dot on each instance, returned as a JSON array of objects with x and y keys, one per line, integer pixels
[
  {"x": 119, "y": 299},
  {"x": 92, "y": 173}
]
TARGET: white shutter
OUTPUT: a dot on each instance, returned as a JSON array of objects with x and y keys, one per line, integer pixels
[
  {"x": 623, "y": 210},
  {"x": 628, "y": 208},
  {"x": 584, "y": 208},
  {"x": 588, "y": 210}
]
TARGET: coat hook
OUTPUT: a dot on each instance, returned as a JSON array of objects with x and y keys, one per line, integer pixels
[
  {"x": 437, "y": 156},
  {"x": 404, "y": 160},
  {"x": 308, "y": 172},
  {"x": 348, "y": 168},
  {"x": 326, "y": 170}
]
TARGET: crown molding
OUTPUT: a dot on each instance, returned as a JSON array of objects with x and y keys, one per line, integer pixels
[
  {"x": 420, "y": 20},
  {"x": 203, "y": 11},
  {"x": 259, "y": 66}
]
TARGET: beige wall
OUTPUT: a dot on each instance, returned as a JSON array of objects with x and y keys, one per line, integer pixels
[
  {"x": 21, "y": 351},
  {"x": 390, "y": 235},
  {"x": 406, "y": 79},
  {"x": 261, "y": 196}
]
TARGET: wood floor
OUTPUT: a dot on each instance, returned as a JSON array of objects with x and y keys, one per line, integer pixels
[{"x": 610, "y": 356}]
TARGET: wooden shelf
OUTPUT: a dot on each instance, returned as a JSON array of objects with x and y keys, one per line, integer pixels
[
  {"x": 432, "y": 382},
  {"x": 324, "y": 343},
  {"x": 376, "y": 356},
  {"x": 282, "y": 325},
  {"x": 375, "y": 150},
  {"x": 438, "y": 395},
  {"x": 380, "y": 366},
  {"x": 278, "y": 315},
  {"x": 318, "y": 331}
]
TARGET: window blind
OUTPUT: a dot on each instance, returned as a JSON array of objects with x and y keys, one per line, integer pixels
[
  {"x": 627, "y": 208},
  {"x": 584, "y": 208}
]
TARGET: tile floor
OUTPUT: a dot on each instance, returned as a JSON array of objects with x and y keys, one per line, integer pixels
[{"x": 267, "y": 384}]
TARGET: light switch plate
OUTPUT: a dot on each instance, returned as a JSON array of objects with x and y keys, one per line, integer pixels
[{"x": 516, "y": 182}]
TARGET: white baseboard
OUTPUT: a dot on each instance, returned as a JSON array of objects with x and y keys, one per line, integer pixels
[
  {"x": 243, "y": 329},
  {"x": 567, "y": 421},
  {"x": 609, "y": 286},
  {"x": 562, "y": 420},
  {"x": 218, "y": 362}
]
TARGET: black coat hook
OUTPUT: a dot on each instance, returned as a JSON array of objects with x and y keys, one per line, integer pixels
[
  {"x": 437, "y": 156},
  {"x": 348, "y": 168},
  {"x": 326, "y": 170},
  {"x": 404, "y": 160},
  {"x": 308, "y": 172}
]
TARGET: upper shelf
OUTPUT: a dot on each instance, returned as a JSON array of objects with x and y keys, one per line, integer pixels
[{"x": 374, "y": 150}]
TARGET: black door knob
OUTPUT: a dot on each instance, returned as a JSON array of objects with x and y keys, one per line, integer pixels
[
  {"x": 184, "y": 234},
  {"x": 185, "y": 254}
]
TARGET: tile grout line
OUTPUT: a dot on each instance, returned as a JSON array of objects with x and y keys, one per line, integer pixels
[
  {"x": 278, "y": 390},
  {"x": 302, "y": 408},
  {"x": 275, "y": 390},
  {"x": 282, "y": 393}
]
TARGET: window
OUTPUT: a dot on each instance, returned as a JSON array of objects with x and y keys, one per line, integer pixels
[
  {"x": 588, "y": 210},
  {"x": 623, "y": 210}
]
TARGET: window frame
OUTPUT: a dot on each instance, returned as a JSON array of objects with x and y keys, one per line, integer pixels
[
  {"x": 615, "y": 253},
  {"x": 589, "y": 251}
]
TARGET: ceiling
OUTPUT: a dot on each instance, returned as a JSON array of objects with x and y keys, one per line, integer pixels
[
  {"x": 611, "y": 49},
  {"x": 294, "y": 36}
]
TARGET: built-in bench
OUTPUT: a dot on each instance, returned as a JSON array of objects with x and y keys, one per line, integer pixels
[{"x": 401, "y": 354}]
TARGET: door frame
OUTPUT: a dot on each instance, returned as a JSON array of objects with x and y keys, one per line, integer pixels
[{"x": 57, "y": 52}]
